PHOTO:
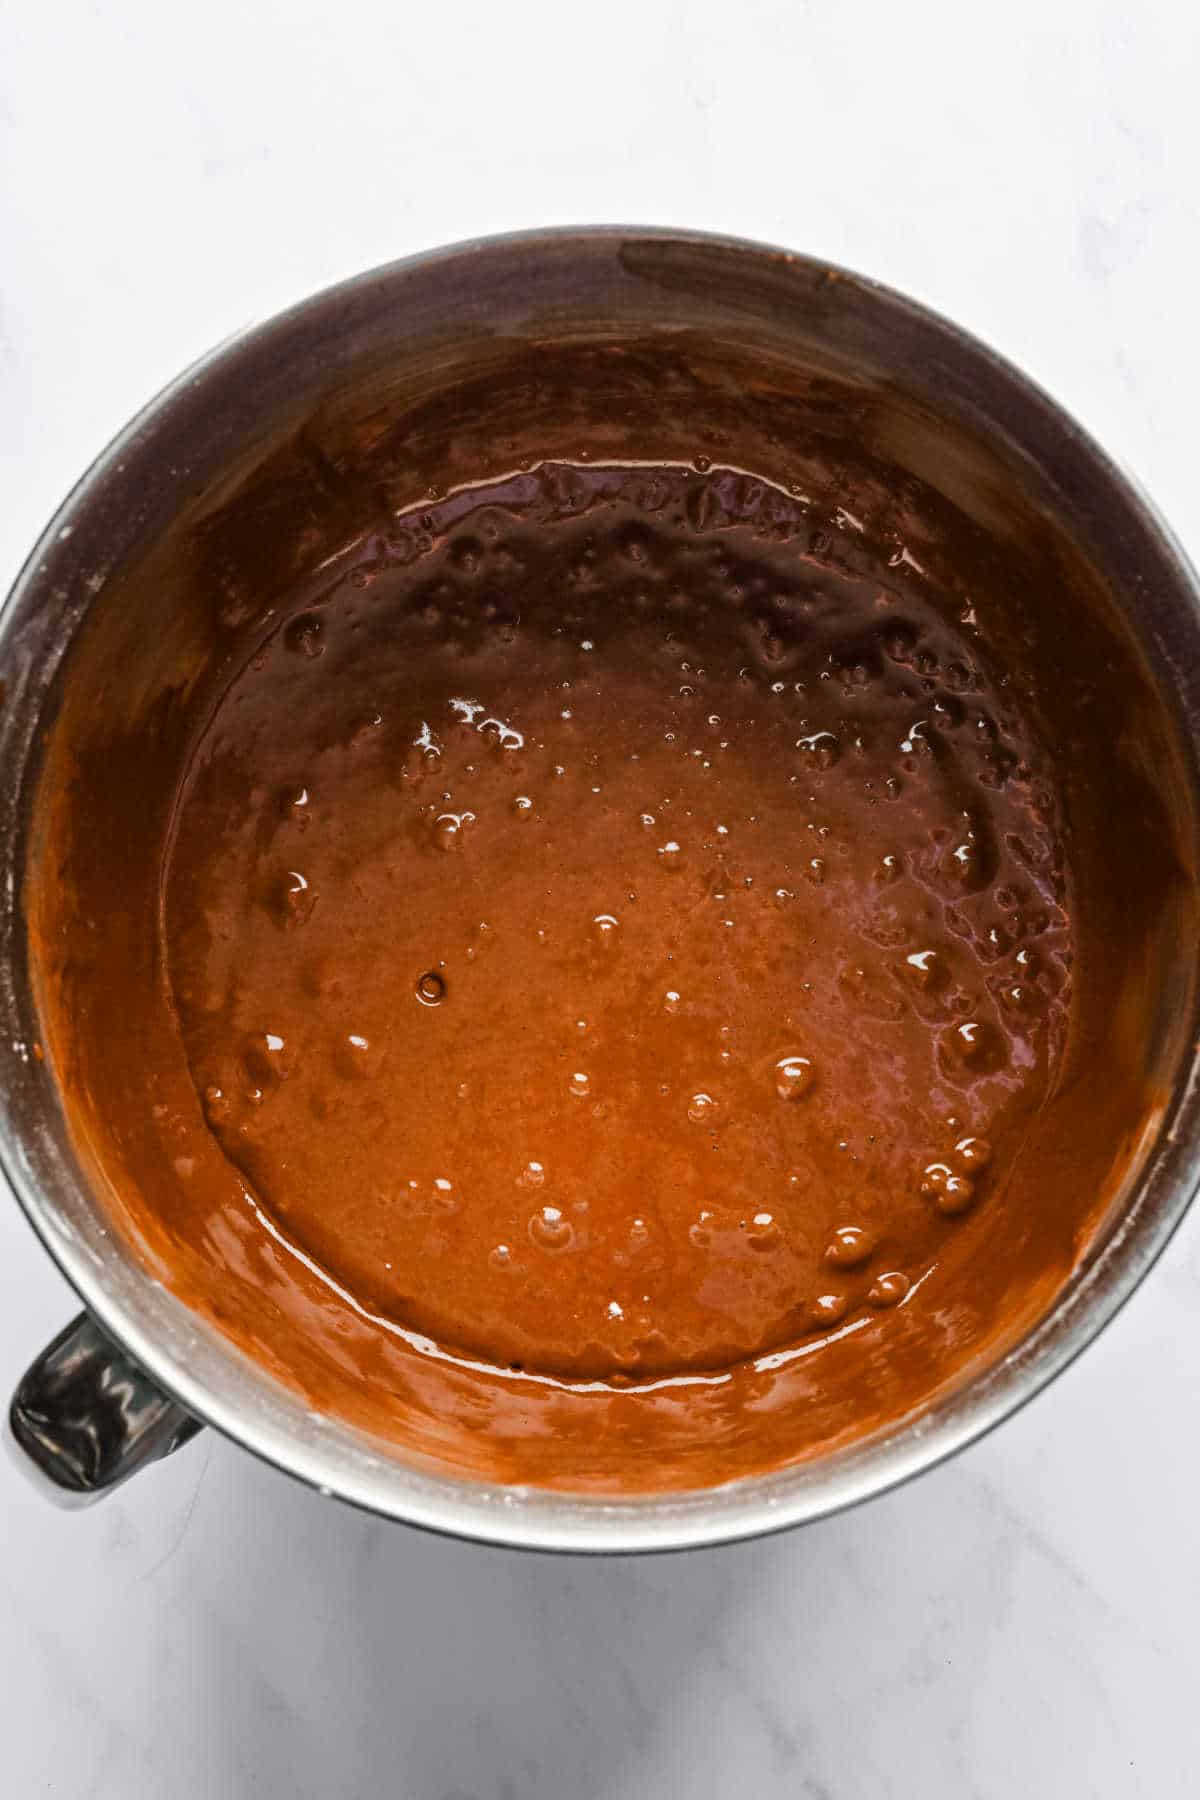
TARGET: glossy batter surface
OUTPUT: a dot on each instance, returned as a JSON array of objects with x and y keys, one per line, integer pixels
[{"x": 612, "y": 940}]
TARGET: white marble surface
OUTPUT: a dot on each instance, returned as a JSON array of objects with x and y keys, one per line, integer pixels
[{"x": 1022, "y": 1622}]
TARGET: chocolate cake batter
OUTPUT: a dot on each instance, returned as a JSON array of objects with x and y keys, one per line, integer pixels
[
  {"x": 617, "y": 975},
  {"x": 611, "y": 951}
]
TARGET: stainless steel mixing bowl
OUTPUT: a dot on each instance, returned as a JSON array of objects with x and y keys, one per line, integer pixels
[{"x": 131, "y": 1378}]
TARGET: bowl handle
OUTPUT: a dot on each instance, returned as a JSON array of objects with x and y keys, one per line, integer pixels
[{"x": 87, "y": 1418}]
